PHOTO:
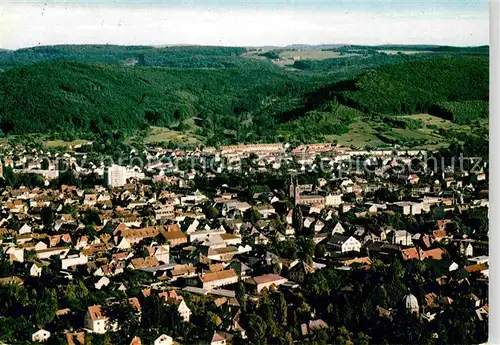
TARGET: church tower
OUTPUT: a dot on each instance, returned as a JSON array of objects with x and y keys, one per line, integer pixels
[{"x": 410, "y": 304}]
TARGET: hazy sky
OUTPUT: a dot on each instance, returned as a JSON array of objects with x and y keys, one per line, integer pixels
[{"x": 254, "y": 23}]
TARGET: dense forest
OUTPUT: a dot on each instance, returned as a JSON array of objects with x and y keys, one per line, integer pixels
[
  {"x": 414, "y": 86},
  {"x": 187, "y": 57},
  {"x": 231, "y": 97},
  {"x": 61, "y": 96},
  {"x": 461, "y": 112}
]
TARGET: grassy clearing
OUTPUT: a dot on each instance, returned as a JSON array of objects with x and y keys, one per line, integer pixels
[
  {"x": 161, "y": 134},
  {"x": 360, "y": 134},
  {"x": 61, "y": 143},
  {"x": 288, "y": 57},
  {"x": 363, "y": 133},
  {"x": 433, "y": 120}
]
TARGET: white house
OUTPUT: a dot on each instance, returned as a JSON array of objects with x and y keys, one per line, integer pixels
[
  {"x": 267, "y": 281},
  {"x": 453, "y": 267},
  {"x": 318, "y": 226},
  {"x": 163, "y": 340},
  {"x": 344, "y": 244},
  {"x": 117, "y": 176},
  {"x": 218, "y": 339},
  {"x": 338, "y": 229},
  {"x": 74, "y": 260},
  {"x": 333, "y": 199},
  {"x": 162, "y": 253},
  {"x": 124, "y": 243},
  {"x": 347, "y": 185},
  {"x": 401, "y": 237},
  {"x": 16, "y": 253},
  {"x": 193, "y": 226},
  {"x": 289, "y": 230},
  {"x": 266, "y": 210},
  {"x": 103, "y": 281},
  {"x": 406, "y": 207},
  {"x": 308, "y": 221},
  {"x": 95, "y": 321},
  {"x": 40, "y": 336},
  {"x": 184, "y": 310},
  {"x": 36, "y": 269},
  {"x": 40, "y": 246},
  {"x": 47, "y": 253},
  {"x": 171, "y": 297},
  {"x": 469, "y": 250},
  {"x": 25, "y": 229}
]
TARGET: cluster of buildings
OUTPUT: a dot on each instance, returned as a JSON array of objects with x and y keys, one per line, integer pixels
[{"x": 170, "y": 235}]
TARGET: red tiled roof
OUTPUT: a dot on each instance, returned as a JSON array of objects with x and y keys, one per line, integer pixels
[
  {"x": 76, "y": 338},
  {"x": 95, "y": 312},
  {"x": 430, "y": 298},
  {"x": 146, "y": 292},
  {"x": 409, "y": 253},
  {"x": 147, "y": 262},
  {"x": 435, "y": 254},
  {"x": 438, "y": 234},
  {"x": 217, "y": 337},
  {"x": 209, "y": 277},
  {"x": 476, "y": 268},
  {"x": 171, "y": 295},
  {"x": 267, "y": 278},
  {"x": 136, "y": 341},
  {"x": 134, "y": 302}
]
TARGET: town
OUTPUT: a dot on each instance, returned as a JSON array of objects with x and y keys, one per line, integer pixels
[{"x": 259, "y": 243}]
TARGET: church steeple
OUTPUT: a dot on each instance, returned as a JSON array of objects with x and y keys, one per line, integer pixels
[{"x": 410, "y": 304}]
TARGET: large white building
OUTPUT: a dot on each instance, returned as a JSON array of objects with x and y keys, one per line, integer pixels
[
  {"x": 163, "y": 340},
  {"x": 117, "y": 175},
  {"x": 333, "y": 199},
  {"x": 95, "y": 321},
  {"x": 344, "y": 243},
  {"x": 74, "y": 260}
]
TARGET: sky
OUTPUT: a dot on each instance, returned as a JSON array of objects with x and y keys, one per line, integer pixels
[{"x": 243, "y": 23}]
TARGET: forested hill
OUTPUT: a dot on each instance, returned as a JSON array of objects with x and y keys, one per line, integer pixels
[
  {"x": 68, "y": 96},
  {"x": 415, "y": 86},
  {"x": 252, "y": 100},
  {"x": 181, "y": 56}
]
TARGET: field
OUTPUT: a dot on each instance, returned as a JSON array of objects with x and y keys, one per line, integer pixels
[
  {"x": 434, "y": 120},
  {"x": 360, "y": 134},
  {"x": 288, "y": 57},
  {"x": 61, "y": 143},
  {"x": 408, "y": 52},
  {"x": 159, "y": 134},
  {"x": 368, "y": 133},
  {"x": 187, "y": 136}
]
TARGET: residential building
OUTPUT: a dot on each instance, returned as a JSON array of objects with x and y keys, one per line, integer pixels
[
  {"x": 163, "y": 340},
  {"x": 95, "y": 321},
  {"x": 267, "y": 281},
  {"x": 117, "y": 175},
  {"x": 333, "y": 199},
  {"x": 214, "y": 280},
  {"x": 344, "y": 243},
  {"x": 299, "y": 271},
  {"x": 40, "y": 336}
]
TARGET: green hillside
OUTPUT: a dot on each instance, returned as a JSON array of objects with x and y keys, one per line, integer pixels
[
  {"x": 183, "y": 57},
  {"x": 413, "y": 87},
  {"x": 361, "y": 111},
  {"x": 240, "y": 98},
  {"x": 68, "y": 96}
]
